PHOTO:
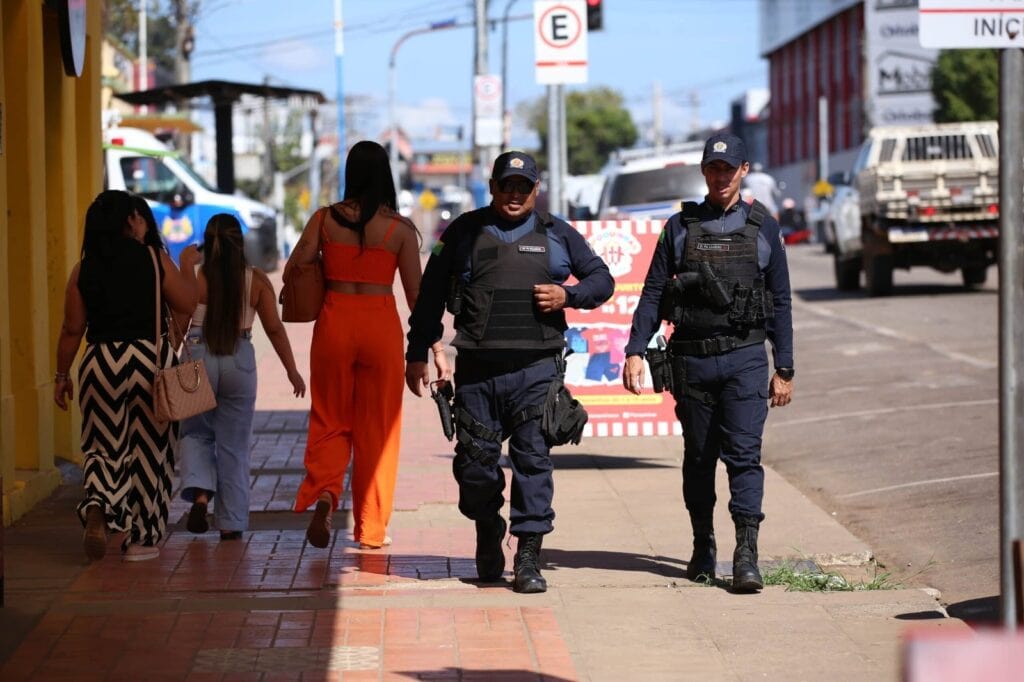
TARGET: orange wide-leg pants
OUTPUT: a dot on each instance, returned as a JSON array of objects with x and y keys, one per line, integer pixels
[{"x": 357, "y": 377}]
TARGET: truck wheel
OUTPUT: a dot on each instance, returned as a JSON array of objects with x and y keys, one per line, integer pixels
[
  {"x": 974, "y": 277},
  {"x": 847, "y": 273},
  {"x": 878, "y": 274}
]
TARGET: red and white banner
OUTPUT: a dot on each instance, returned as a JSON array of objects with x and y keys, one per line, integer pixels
[{"x": 598, "y": 337}]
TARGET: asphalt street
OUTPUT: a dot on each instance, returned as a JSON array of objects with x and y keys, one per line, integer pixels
[{"x": 894, "y": 427}]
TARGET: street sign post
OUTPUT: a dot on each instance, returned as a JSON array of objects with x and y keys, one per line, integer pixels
[
  {"x": 560, "y": 41},
  {"x": 487, "y": 106},
  {"x": 1000, "y": 24}
]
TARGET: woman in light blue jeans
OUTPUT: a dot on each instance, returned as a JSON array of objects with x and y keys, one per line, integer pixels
[{"x": 214, "y": 446}]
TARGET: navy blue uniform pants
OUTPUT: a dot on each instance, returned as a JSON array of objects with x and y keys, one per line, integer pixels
[
  {"x": 492, "y": 394},
  {"x": 730, "y": 429}
]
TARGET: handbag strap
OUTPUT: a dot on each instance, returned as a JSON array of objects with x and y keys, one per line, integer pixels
[
  {"x": 156, "y": 316},
  {"x": 156, "y": 274}
]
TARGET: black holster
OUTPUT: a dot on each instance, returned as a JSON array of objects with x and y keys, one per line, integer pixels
[
  {"x": 443, "y": 397},
  {"x": 660, "y": 362}
]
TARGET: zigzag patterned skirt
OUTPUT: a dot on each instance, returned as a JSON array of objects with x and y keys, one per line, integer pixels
[{"x": 129, "y": 458}]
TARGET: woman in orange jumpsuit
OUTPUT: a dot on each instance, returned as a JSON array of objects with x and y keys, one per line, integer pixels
[{"x": 357, "y": 367}]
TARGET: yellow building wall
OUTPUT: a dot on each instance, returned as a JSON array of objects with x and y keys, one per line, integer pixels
[{"x": 50, "y": 169}]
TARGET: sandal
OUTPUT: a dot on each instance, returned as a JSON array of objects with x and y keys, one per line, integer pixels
[
  {"x": 367, "y": 545},
  {"x": 197, "y": 522},
  {"x": 319, "y": 531}
]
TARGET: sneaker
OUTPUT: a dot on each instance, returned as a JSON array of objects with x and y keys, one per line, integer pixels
[
  {"x": 141, "y": 552},
  {"x": 319, "y": 531},
  {"x": 94, "y": 540},
  {"x": 197, "y": 522},
  {"x": 490, "y": 561},
  {"x": 367, "y": 545}
]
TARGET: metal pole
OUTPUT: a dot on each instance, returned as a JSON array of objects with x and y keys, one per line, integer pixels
[
  {"x": 392, "y": 87},
  {"x": 143, "y": 52},
  {"x": 339, "y": 53},
  {"x": 563, "y": 146},
  {"x": 480, "y": 69},
  {"x": 506, "y": 123},
  {"x": 1011, "y": 322},
  {"x": 554, "y": 153},
  {"x": 822, "y": 138}
]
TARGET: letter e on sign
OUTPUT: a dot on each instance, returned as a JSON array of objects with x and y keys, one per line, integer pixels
[{"x": 560, "y": 41}]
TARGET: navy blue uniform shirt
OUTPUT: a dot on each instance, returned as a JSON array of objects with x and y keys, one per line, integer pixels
[
  {"x": 771, "y": 257},
  {"x": 568, "y": 254}
]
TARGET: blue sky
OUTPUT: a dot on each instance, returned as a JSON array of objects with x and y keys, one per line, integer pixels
[{"x": 707, "y": 46}]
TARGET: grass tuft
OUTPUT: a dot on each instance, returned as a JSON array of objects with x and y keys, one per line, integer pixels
[{"x": 796, "y": 580}]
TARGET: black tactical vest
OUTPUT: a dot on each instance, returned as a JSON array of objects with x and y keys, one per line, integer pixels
[
  {"x": 733, "y": 274},
  {"x": 497, "y": 310}
]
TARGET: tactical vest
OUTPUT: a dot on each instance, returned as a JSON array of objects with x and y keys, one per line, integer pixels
[
  {"x": 497, "y": 309},
  {"x": 730, "y": 303}
]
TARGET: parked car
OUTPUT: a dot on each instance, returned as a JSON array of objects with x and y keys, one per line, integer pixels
[{"x": 652, "y": 182}]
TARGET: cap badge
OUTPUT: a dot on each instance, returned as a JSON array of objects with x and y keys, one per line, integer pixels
[
  {"x": 515, "y": 163},
  {"x": 720, "y": 147}
]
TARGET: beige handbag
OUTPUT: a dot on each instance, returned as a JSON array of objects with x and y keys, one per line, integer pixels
[{"x": 181, "y": 391}]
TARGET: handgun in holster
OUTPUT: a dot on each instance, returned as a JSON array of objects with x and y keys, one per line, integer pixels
[
  {"x": 443, "y": 396},
  {"x": 660, "y": 361}
]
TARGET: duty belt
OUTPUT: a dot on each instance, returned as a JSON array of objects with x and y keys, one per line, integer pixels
[{"x": 717, "y": 344}]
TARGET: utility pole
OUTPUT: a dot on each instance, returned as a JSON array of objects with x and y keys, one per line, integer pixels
[
  {"x": 659, "y": 139},
  {"x": 268, "y": 143},
  {"x": 185, "y": 42},
  {"x": 483, "y": 155},
  {"x": 506, "y": 117},
  {"x": 339, "y": 53},
  {"x": 143, "y": 52}
]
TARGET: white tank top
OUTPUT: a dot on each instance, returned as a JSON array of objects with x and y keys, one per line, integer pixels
[{"x": 248, "y": 311}]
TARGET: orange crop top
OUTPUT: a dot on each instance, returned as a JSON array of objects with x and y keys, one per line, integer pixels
[{"x": 348, "y": 263}]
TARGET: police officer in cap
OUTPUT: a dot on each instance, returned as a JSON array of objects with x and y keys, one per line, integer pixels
[
  {"x": 719, "y": 275},
  {"x": 501, "y": 271}
]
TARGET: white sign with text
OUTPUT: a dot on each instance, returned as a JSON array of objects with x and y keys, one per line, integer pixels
[
  {"x": 560, "y": 41},
  {"x": 971, "y": 23}
]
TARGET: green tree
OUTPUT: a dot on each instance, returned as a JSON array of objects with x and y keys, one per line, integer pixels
[
  {"x": 597, "y": 123},
  {"x": 121, "y": 20},
  {"x": 965, "y": 84}
]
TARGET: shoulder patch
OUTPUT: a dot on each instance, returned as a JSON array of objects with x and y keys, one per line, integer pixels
[{"x": 437, "y": 248}]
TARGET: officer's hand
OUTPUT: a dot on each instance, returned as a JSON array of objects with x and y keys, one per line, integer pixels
[
  {"x": 633, "y": 374},
  {"x": 780, "y": 391},
  {"x": 549, "y": 297},
  {"x": 417, "y": 377}
]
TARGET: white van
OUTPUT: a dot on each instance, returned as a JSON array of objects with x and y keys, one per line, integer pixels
[
  {"x": 651, "y": 183},
  {"x": 182, "y": 202}
]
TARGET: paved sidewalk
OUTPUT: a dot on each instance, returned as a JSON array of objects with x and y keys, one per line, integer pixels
[{"x": 270, "y": 607}]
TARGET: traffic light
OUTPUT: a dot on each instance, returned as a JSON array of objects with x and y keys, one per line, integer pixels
[{"x": 594, "y": 18}]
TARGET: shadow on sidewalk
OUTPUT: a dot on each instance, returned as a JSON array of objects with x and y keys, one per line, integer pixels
[
  {"x": 482, "y": 674},
  {"x": 982, "y": 612},
  {"x": 614, "y": 561},
  {"x": 587, "y": 461}
]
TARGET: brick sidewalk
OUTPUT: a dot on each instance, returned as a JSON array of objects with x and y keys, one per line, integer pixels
[{"x": 271, "y": 607}]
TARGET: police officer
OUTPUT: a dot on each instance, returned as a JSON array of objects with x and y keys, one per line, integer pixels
[
  {"x": 719, "y": 275},
  {"x": 502, "y": 271}
]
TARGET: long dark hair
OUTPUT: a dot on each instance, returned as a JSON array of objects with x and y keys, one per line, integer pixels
[
  {"x": 224, "y": 269},
  {"x": 105, "y": 223},
  {"x": 152, "y": 237},
  {"x": 368, "y": 182}
]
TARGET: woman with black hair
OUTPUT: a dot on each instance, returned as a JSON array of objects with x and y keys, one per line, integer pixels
[
  {"x": 356, "y": 358},
  {"x": 111, "y": 299},
  {"x": 215, "y": 445}
]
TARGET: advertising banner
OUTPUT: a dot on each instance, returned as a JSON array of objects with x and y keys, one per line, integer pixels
[{"x": 597, "y": 338}]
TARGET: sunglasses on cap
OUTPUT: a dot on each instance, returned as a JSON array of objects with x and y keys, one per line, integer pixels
[{"x": 516, "y": 185}]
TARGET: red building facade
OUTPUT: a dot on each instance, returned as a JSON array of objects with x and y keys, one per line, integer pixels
[{"x": 825, "y": 60}]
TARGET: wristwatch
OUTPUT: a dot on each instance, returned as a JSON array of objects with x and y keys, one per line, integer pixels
[{"x": 785, "y": 373}]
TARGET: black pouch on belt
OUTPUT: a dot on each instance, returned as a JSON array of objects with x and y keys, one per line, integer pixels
[{"x": 563, "y": 417}]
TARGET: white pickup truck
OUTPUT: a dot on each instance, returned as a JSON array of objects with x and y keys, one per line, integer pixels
[{"x": 919, "y": 195}]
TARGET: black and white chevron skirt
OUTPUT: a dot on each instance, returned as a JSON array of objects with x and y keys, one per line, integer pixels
[{"x": 129, "y": 456}]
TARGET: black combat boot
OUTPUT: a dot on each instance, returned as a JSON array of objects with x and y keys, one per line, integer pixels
[
  {"x": 701, "y": 566},
  {"x": 490, "y": 561},
  {"x": 745, "y": 576},
  {"x": 526, "y": 566}
]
